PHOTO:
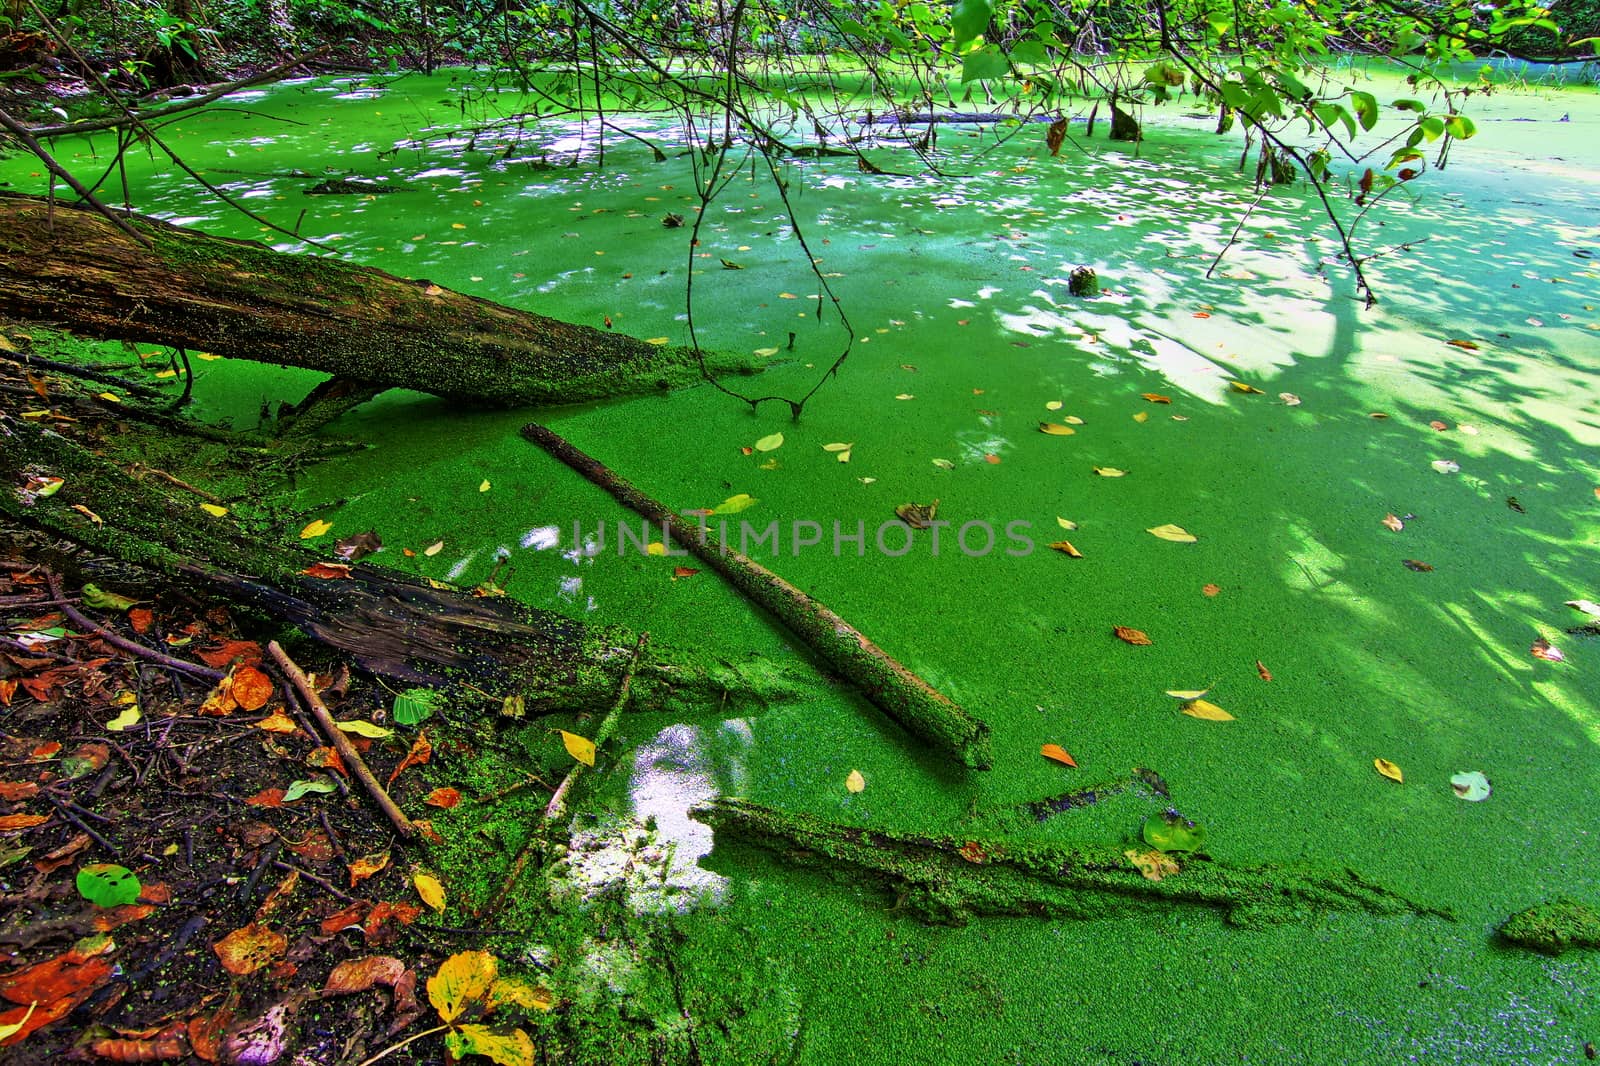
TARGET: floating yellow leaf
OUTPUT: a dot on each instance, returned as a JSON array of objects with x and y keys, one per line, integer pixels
[
  {"x": 770, "y": 443},
  {"x": 1109, "y": 471},
  {"x": 434, "y": 549},
  {"x": 855, "y": 782},
  {"x": 1142, "y": 416},
  {"x": 656, "y": 340},
  {"x": 213, "y": 510},
  {"x": 655, "y": 547},
  {"x": 429, "y": 888},
  {"x": 110, "y": 397},
  {"x": 905, "y": 396},
  {"x": 1153, "y": 864},
  {"x": 1073, "y": 420},
  {"x": 734, "y": 504},
  {"x": 764, "y": 352},
  {"x": 1177, "y": 534},
  {"x": 844, "y": 457},
  {"x": 1066, "y": 523},
  {"x": 1393, "y": 522},
  {"x": 315, "y": 528},
  {"x": 1207, "y": 710},
  {"x": 580, "y": 748},
  {"x": 484, "y": 487},
  {"x": 837, "y": 447},
  {"x": 1187, "y": 693},
  {"x": 1239, "y": 386},
  {"x": 1053, "y": 405},
  {"x": 1388, "y": 769},
  {"x": 1065, "y": 548},
  {"x": 1056, "y": 429},
  {"x": 1156, "y": 397}
]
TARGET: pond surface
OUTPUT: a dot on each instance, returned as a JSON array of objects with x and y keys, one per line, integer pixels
[{"x": 1295, "y": 605}]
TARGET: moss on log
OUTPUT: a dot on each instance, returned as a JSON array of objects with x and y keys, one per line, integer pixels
[
  {"x": 393, "y": 624},
  {"x": 70, "y": 266},
  {"x": 949, "y": 879}
]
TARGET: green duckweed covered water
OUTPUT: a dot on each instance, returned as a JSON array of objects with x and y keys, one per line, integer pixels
[{"x": 956, "y": 288}]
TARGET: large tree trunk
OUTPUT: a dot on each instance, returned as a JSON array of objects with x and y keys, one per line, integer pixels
[
  {"x": 69, "y": 265},
  {"x": 396, "y": 625}
]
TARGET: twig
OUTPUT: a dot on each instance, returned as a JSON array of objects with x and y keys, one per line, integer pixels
[
  {"x": 341, "y": 743},
  {"x": 61, "y": 809},
  {"x": 509, "y": 790},
  {"x": 84, "y": 622},
  {"x": 332, "y": 888},
  {"x": 557, "y": 804},
  {"x": 137, "y": 470},
  {"x": 1234, "y": 236}
]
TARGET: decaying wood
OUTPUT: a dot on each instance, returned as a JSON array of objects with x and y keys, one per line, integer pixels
[
  {"x": 71, "y": 267},
  {"x": 949, "y": 879},
  {"x": 914, "y": 704},
  {"x": 398, "y": 626}
]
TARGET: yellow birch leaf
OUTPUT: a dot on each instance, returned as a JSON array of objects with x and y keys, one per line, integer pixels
[
  {"x": 580, "y": 748},
  {"x": 766, "y": 351},
  {"x": 855, "y": 782},
  {"x": 1173, "y": 533},
  {"x": 485, "y": 486},
  {"x": 1142, "y": 416},
  {"x": 462, "y": 980},
  {"x": 837, "y": 447},
  {"x": 429, "y": 888},
  {"x": 1066, "y": 523},
  {"x": 656, "y": 340},
  {"x": 1073, "y": 420},
  {"x": 1187, "y": 693},
  {"x": 734, "y": 504},
  {"x": 315, "y": 528},
  {"x": 130, "y": 715},
  {"x": 364, "y": 729},
  {"x": 1239, "y": 386},
  {"x": 1207, "y": 710},
  {"x": 1054, "y": 405},
  {"x": 1109, "y": 471},
  {"x": 213, "y": 510},
  {"x": 1056, "y": 429},
  {"x": 530, "y": 997},
  {"x": 110, "y": 397},
  {"x": 1389, "y": 770},
  {"x": 433, "y": 549}
]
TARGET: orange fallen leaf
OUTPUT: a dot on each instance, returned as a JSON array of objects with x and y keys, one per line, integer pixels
[
  {"x": 11, "y": 823},
  {"x": 421, "y": 751},
  {"x": 1417, "y": 565},
  {"x": 248, "y": 949},
  {"x": 327, "y": 758},
  {"x": 1156, "y": 397},
  {"x": 444, "y": 797},
  {"x": 1210, "y": 590},
  {"x": 350, "y": 916},
  {"x": 141, "y": 618},
  {"x": 251, "y": 688},
  {"x": 1059, "y": 754},
  {"x": 1438, "y": 425},
  {"x": 1389, "y": 770},
  {"x": 366, "y": 866},
  {"x": 1065, "y": 547},
  {"x": 328, "y": 571},
  {"x": 223, "y": 654},
  {"x": 973, "y": 852},
  {"x": 267, "y": 797},
  {"x": 359, "y": 975},
  {"x": 683, "y": 571},
  {"x": 1132, "y": 636},
  {"x": 1266, "y": 675},
  {"x": 278, "y": 722},
  {"x": 13, "y": 791},
  {"x": 1470, "y": 346},
  {"x": 1393, "y": 522}
]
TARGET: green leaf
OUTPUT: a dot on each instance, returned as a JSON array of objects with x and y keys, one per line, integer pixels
[
  {"x": 106, "y": 884},
  {"x": 1328, "y": 114},
  {"x": 506, "y": 1049},
  {"x": 299, "y": 789},
  {"x": 1171, "y": 831},
  {"x": 414, "y": 706},
  {"x": 1411, "y": 105},
  {"x": 1031, "y": 53},
  {"x": 1366, "y": 108},
  {"x": 1460, "y": 126},
  {"x": 1432, "y": 127},
  {"x": 985, "y": 63},
  {"x": 94, "y": 596},
  {"x": 968, "y": 21}
]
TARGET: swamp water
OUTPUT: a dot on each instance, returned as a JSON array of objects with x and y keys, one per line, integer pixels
[{"x": 967, "y": 340}]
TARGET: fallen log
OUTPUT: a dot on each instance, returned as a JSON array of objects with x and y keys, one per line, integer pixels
[
  {"x": 395, "y": 625},
  {"x": 949, "y": 879},
  {"x": 69, "y": 266},
  {"x": 915, "y": 705}
]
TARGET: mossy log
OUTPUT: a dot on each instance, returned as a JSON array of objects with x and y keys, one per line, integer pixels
[
  {"x": 948, "y": 879},
  {"x": 911, "y": 702},
  {"x": 70, "y": 266},
  {"x": 401, "y": 627},
  {"x": 1554, "y": 927}
]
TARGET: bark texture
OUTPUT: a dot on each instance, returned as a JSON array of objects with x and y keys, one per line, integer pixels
[{"x": 69, "y": 266}]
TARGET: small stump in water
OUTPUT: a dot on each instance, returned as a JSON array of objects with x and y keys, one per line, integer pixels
[{"x": 1083, "y": 281}]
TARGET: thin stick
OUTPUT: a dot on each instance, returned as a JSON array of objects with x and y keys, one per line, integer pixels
[
  {"x": 20, "y": 132},
  {"x": 917, "y": 706},
  {"x": 557, "y": 804},
  {"x": 608, "y": 725},
  {"x": 341, "y": 743}
]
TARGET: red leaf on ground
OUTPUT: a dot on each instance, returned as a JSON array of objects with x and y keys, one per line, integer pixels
[
  {"x": 1130, "y": 635},
  {"x": 267, "y": 797},
  {"x": 359, "y": 975},
  {"x": 248, "y": 949},
  {"x": 421, "y": 751},
  {"x": 251, "y": 688},
  {"x": 1266, "y": 675},
  {"x": 443, "y": 797},
  {"x": 218, "y": 656},
  {"x": 351, "y": 916},
  {"x": 328, "y": 571}
]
